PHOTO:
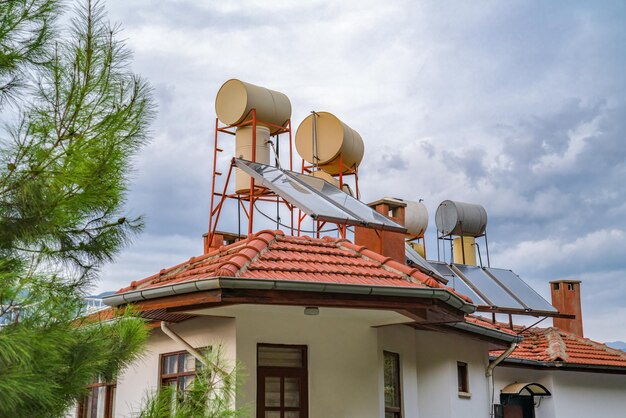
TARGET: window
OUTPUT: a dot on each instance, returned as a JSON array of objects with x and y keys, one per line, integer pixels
[
  {"x": 282, "y": 388},
  {"x": 463, "y": 378},
  {"x": 178, "y": 370},
  {"x": 99, "y": 401},
  {"x": 393, "y": 401}
]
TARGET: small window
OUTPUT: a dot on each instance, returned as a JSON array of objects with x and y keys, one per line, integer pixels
[
  {"x": 570, "y": 286},
  {"x": 392, "y": 389},
  {"x": 463, "y": 378},
  {"x": 99, "y": 401},
  {"x": 178, "y": 370},
  {"x": 555, "y": 286}
]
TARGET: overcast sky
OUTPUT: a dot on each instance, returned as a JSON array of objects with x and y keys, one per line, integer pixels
[{"x": 517, "y": 105}]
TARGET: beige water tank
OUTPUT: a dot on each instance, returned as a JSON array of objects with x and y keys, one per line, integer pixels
[
  {"x": 334, "y": 138},
  {"x": 332, "y": 180},
  {"x": 236, "y": 99},
  {"x": 243, "y": 149},
  {"x": 415, "y": 217}
]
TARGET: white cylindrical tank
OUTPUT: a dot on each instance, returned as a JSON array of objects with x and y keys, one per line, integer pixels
[
  {"x": 243, "y": 150},
  {"x": 415, "y": 217},
  {"x": 332, "y": 180},
  {"x": 461, "y": 219},
  {"x": 236, "y": 99},
  {"x": 333, "y": 139}
]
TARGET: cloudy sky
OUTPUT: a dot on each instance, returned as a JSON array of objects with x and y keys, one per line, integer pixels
[{"x": 517, "y": 105}]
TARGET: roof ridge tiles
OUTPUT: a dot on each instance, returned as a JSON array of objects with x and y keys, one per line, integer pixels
[
  {"x": 557, "y": 349},
  {"x": 408, "y": 273},
  {"x": 255, "y": 246}
]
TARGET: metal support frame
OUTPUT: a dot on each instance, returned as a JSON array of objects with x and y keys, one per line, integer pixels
[
  {"x": 255, "y": 193},
  {"x": 343, "y": 171}
]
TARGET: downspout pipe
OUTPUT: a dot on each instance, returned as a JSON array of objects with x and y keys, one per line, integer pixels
[
  {"x": 489, "y": 374},
  {"x": 202, "y": 359},
  {"x": 500, "y": 359}
]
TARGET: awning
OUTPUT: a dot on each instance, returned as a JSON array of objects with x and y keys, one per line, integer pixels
[{"x": 528, "y": 389}]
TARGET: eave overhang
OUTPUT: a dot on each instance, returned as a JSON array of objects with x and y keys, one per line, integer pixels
[
  {"x": 561, "y": 365},
  {"x": 238, "y": 283}
]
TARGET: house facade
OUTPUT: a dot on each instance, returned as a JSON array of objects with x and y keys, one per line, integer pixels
[{"x": 322, "y": 328}]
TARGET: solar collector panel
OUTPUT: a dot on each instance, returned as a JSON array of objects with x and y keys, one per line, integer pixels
[
  {"x": 520, "y": 289},
  {"x": 497, "y": 295},
  {"x": 316, "y": 197}
]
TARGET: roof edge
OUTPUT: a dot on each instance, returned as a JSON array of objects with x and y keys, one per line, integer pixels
[
  {"x": 214, "y": 283},
  {"x": 487, "y": 332},
  {"x": 562, "y": 365}
]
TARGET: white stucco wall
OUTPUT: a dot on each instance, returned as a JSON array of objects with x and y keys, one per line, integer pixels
[
  {"x": 437, "y": 357},
  {"x": 574, "y": 394},
  {"x": 345, "y": 360},
  {"x": 142, "y": 377},
  {"x": 401, "y": 340},
  {"x": 342, "y": 364}
]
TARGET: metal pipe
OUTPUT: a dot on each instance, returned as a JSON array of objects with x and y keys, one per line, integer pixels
[
  {"x": 489, "y": 374},
  {"x": 501, "y": 357},
  {"x": 170, "y": 333},
  {"x": 174, "y": 336}
]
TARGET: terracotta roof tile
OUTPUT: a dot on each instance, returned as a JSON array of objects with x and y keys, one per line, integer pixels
[
  {"x": 554, "y": 345},
  {"x": 274, "y": 256}
]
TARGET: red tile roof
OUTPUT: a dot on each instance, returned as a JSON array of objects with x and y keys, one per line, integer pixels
[
  {"x": 552, "y": 345},
  {"x": 477, "y": 320},
  {"x": 272, "y": 255}
]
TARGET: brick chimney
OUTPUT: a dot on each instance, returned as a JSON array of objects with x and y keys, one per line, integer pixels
[
  {"x": 387, "y": 243},
  {"x": 220, "y": 238},
  {"x": 566, "y": 298}
]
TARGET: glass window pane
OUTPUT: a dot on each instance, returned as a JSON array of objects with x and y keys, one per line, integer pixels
[
  {"x": 270, "y": 356},
  {"x": 190, "y": 363},
  {"x": 292, "y": 414},
  {"x": 292, "y": 391},
  {"x": 87, "y": 405},
  {"x": 100, "y": 391},
  {"x": 392, "y": 380},
  {"x": 272, "y": 391},
  {"x": 170, "y": 364},
  {"x": 272, "y": 414},
  {"x": 184, "y": 382}
]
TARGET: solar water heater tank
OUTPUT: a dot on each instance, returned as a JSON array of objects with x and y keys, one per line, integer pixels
[
  {"x": 236, "y": 99},
  {"x": 415, "y": 217},
  {"x": 243, "y": 150},
  {"x": 461, "y": 219},
  {"x": 331, "y": 141}
]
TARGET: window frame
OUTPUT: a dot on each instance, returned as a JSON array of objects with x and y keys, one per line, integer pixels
[
  {"x": 166, "y": 378},
  {"x": 278, "y": 371},
  {"x": 462, "y": 374},
  {"x": 396, "y": 411},
  {"x": 109, "y": 399}
]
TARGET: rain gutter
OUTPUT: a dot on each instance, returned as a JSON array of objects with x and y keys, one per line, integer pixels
[
  {"x": 487, "y": 332},
  {"x": 566, "y": 366},
  {"x": 215, "y": 283}
]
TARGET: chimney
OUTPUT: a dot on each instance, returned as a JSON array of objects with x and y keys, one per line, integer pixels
[
  {"x": 566, "y": 298},
  {"x": 387, "y": 243},
  {"x": 220, "y": 239}
]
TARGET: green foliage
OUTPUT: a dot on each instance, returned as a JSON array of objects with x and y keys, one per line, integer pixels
[
  {"x": 80, "y": 115},
  {"x": 210, "y": 395}
]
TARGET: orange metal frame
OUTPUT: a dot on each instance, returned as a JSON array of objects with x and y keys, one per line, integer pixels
[
  {"x": 256, "y": 193},
  {"x": 343, "y": 171},
  {"x": 259, "y": 193}
]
